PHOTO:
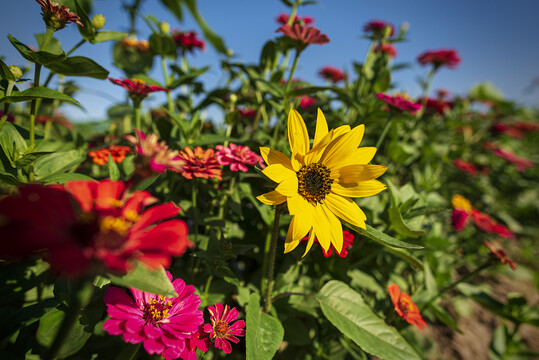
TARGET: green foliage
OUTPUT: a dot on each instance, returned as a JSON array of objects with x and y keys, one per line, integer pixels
[{"x": 264, "y": 332}]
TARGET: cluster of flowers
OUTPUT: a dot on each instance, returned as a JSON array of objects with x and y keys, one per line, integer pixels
[
  {"x": 399, "y": 102},
  {"x": 517, "y": 129},
  {"x": 171, "y": 326}
]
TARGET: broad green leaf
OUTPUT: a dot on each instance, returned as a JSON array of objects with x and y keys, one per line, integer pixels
[
  {"x": 54, "y": 46},
  {"x": 107, "y": 35},
  {"x": 175, "y": 7},
  {"x": 63, "y": 178},
  {"x": 12, "y": 142},
  {"x": 384, "y": 239},
  {"x": 485, "y": 91},
  {"x": 30, "y": 158},
  {"x": 39, "y": 92},
  {"x": 264, "y": 332},
  {"x": 26, "y": 316},
  {"x": 403, "y": 254},
  {"x": 395, "y": 216},
  {"x": 40, "y": 57},
  {"x": 162, "y": 45},
  {"x": 5, "y": 73},
  {"x": 58, "y": 162},
  {"x": 345, "y": 309},
  {"x": 79, "y": 66},
  {"x": 266, "y": 86},
  {"x": 87, "y": 30},
  {"x": 382, "y": 81},
  {"x": 152, "y": 281},
  {"x": 114, "y": 172},
  {"x": 214, "y": 39}
]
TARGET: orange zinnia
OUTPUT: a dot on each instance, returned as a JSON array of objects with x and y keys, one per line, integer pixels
[{"x": 405, "y": 307}]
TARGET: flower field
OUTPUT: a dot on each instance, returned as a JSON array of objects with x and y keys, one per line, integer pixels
[{"x": 348, "y": 220}]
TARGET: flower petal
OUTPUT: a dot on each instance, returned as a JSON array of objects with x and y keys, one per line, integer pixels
[
  {"x": 298, "y": 137},
  {"x": 297, "y": 204},
  {"x": 361, "y": 189},
  {"x": 342, "y": 146},
  {"x": 321, "y": 127},
  {"x": 278, "y": 172},
  {"x": 271, "y": 157},
  {"x": 272, "y": 198},
  {"x": 346, "y": 209},
  {"x": 353, "y": 174},
  {"x": 362, "y": 155},
  {"x": 310, "y": 243},
  {"x": 289, "y": 187}
]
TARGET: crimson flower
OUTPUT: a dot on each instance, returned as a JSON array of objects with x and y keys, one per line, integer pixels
[
  {"x": 162, "y": 324},
  {"x": 386, "y": 48},
  {"x": 332, "y": 73},
  {"x": 465, "y": 166},
  {"x": 399, "y": 102},
  {"x": 520, "y": 163},
  {"x": 246, "y": 113},
  {"x": 57, "y": 16},
  {"x": 438, "y": 105},
  {"x": 58, "y": 119},
  {"x": 303, "y": 35},
  {"x": 221, "y": 329},
  {"x": 306, "y": 102},
  {"x": 200, "y": 163},
  {"x": 237, "y": 157},
  {"x": 438, "y": 58},
  {"x": 405, "y": 307},
  {"x": 137, "y": 88},
  {"x": 501, "y": 255},
  {"x": 198, "y": 340},
  {"x": 348, "y": 240},
  {"x": 377, "y": 28},
  {"x": 462, "y": 209},
  {"x": 188, "y": 41},
  {"x": 484, "y": 222},
  {"x": 153, "y": 156},
  {"x": 283, "y": 19},
  {"x": 116, "y": 152}
]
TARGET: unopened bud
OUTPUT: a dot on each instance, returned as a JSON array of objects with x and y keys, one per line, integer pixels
[
  {"x": 233, "y": 98},
  {"x": 388, "y": 31},
  {"x": 16, "y": 71},
  {"x": 405, "y": 26},
  {"x": 98, "y": 21},
  {"x": 164, "y": 27}
]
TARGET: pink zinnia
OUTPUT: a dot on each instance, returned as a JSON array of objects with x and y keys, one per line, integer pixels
[
  {"x": 306, "y": 102},
  {"x": 332, "y": 73},
  {"x": 162, "y": 324},
  {"x": 283, "y": 19},
  {"x": 200, "y": 164},
  {"x": 465, "y": 166},
  {"x": 399, "y": 102},
  {"x": 136, "y": 88},
  {"x": 438, "y": 105},
  {"x": 188, "y": 41},
  {"x": 198, "y": 340},
  {"x": 303, "y": 35},
  {"x": 376, "y": 27},
  {"x": 442, "y": 57},
  {"x": 237, "y": 157},
  {"x": 221, "y": 329},
  {"x": 386, "y": 48}
]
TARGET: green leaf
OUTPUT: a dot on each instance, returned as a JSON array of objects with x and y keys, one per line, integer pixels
[
  {"x": 9, "y": 178},
  {"x": 442, "y": 315},
  {"x": 40, "y": 57},
  {"x": 162, "y": 45},
  {"x": 114, "y": 172},
  {"x": 175, "y": 7},
  {"x": 214, "y": 39},
  {"x": 39, "y": 92},
  {"x": 107, "y": 35},
  {"x": 12, "y": 143},
  {"x": 345, "y": 309},
  {"x": 5, "y": 73},
  {"x": 54, "y": 46},
  {"x": 409, "y": 258},
  {"x": 384, "y": 239},
  {"x": 485, "y": 91},
  {"x": 382, "y": 81},
  {"x": 87, "y": 30},
  {"x": 395, "y": 216},
  {"x": 26, "y": 316},
  {"x": 63, "y": 178},
  {"x": 57, "y": 162},
  {"x": 266, "y": 86},
  {"x": 152, "y": 281},
  {"x": 80, "y": 66},
  {"x": 30, "y": 158},
  {"x": 264, "y": 332}
]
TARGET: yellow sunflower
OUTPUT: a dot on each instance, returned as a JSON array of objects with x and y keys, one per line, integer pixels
[{"x": 317, "y": 182}]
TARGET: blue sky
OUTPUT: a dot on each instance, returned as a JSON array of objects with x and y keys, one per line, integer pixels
[{"x": 497, "y": 41}]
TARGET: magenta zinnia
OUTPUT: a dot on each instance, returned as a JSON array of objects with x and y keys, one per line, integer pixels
[
  {"x": 162, "y": 324},
  {"x": 438, "y": 58},
  {"x": 377, "y": 28},
  {"x": 399, "y": 102},
  {"x": 221, "y": 329},
  {"x": 137, "y": 88},
  {"x": 237, "y": 157}
]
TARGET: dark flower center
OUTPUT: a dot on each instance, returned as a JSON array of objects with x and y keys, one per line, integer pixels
[
  {"x": 314, "y": 182},
  {"x": 221, "y": 329},
  {"x": 406, "y": 305},
  {"x": 156, "y": 310}
]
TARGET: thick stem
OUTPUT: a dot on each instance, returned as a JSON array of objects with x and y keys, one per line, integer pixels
[
  {"x": 271, "y": 261},
  {"x": 195, "y": 209},
  {"x": 138, "y": 124},
  {"x": 384, "y": 132},
  {"x": 165, "y": 76}
]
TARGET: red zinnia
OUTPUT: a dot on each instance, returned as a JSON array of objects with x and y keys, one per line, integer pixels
[
  {"x": 501, "y": 255},
  {"x": 462, "y": 208},
  {"x": 442, "y": 57},
  {"x": 117, "y": 153},
  {"x": 58, "y": 119},
  {"x": 332, "y": 73},
  {"x": 465, "y": 166},
  {"x": 489, "y": 225},
  {"x": 303, "y": 35},
  {"x": 405, "y": 307},
  {"x": 246, "y": 113},
  {"x": 283, "y": 19},
  {"x": 520, "y": 163},
  {"x": 200, "y": 163},
  {"x": 221, "y": 328},
  {"x": 137, "y": 89},
  {"x": 377, "y": 28},
  {"x": 57, "y": 16},
  {"x": 188, "y": 41},
  {"x": 386, "y": 48},
  {"x": 237, "y": 156},
  {"x": 399, "y": 102},
  {"x": 438, "y": 105},
  {"x": 306, "y": 102},
  {"x": 348, "y": 240}
]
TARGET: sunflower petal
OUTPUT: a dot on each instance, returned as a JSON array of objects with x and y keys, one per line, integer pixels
[
  {"x": 360, "y": 156},
  {"x": 272, "y": 198},
  {"x": 322, "y": 227},
  {"x": 335, "y": 228},
  {"x": 361, "y": 189},
  {"x": 298, "y": 137},
  {"x": 297, "y": 204},
  {"x": 288, "y": 187},
  {"x": 278, "y": 172},
  {"x": 353, "y": 174},
  {"x": 346, "y": 209},
  {"x": 299, "y": 227},
  {"x": 309, "y": 243},
  {"x": 342, "y": 147},
  {"x": 321, "y": 127},
  {"x": 271, "y": 157}
]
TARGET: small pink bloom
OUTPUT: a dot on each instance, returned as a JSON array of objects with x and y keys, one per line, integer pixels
[
  {"x": 439, "y": 106},
  {"x": 188, "y": 41},
  {"x": 386, "y": 48},
  {"x": 332, "y": 73},
  {"x": 221, "y": 329},
  {"x": 398, "y": 102},
  {"x": 237, "y": 157},
  {"x": 163, "y": 324},
  {"x": 306, "y": 101},
  {"x": 57, "y": 16},
  {"x": 376, "y": 27},
  {"x": 136, "y": 88},
  {"x": 438, "y": 58}
]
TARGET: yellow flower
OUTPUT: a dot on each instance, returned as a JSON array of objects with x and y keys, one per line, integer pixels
[
  {"x": 459, "y": 202},
  {"x": 317, "y": 182}
]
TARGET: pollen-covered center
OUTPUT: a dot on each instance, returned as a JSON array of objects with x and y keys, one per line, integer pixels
[
  {"x": 156, "y": 310},
  {"x": 406, "y": 305},
  {"x": 314, "y": 182},
  {"x": 221, "y": 329}
]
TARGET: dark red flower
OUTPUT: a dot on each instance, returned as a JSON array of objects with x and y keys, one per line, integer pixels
[
  {"x": 246, "y": 113},
  {"x": 58, "y": 119},
  {"x": 283, "y": 19},
  {"x": 188, "y": 41},
  {"x": 137, "y": 88},
  {"x": 303, "y": 35},
  {"x": 306, "y": 102},
  {"x": 332, "y": 73},
  {"x": 459, "y": 219},
  {"x": 377, "y": 28},
  {"x": 442, "y": 57},
  {"x": 386, "y": 48},
  {"x": 438, "y": 105},
  {"x": 399, "y": 102},
  {"x": 465, "y": 166},
  {"x": 9, "y": 118},
  {"x": 57, "y": 16},
  {"x": 483, "y": 221},
  {"x": 405, "y": 307},
  {"x": 501, "y": 255}
]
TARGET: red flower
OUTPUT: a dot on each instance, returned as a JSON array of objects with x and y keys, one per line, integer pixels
[
  {"x": 465, "y": 166},
  {"x": 520, "y": 163},
  {"x": 58, "y": 119},
  {"x": 221, "y": 328},
  {"x": 57, "y": 16},
  {"x": 108, "y": 230},
  {"x": 199, "y": 340},
  {"x": 237, "y": 156},
  {"x": 501, "y": 255},
  {"x": 200, "y": 163},
  {"x": 306, "y": 102},
  {"x": 303, "y": 35},
  {"x": 283, "y": 19},
  {"x": 442, "y": 57},
  {"x": 399, "y": 102},
  {"x": 405, "y": 307},
  {"x": 439, "y": 106},
  {"x": 162, "y": 324},
  {"x": 117, "y": 153},
  {"x": 377, "y": 28},
  {"x": 386, "y": 48},
  {"x": 332, "y": 73},
  {"x": 348, "y": 240},
  {"x": 137, "y": 89},
  {"x": 462, "y": 208},
  {"x": 188, "y": 41},
  {"x": 247, "y": 113},
  {"x": 489, "y": 225}
]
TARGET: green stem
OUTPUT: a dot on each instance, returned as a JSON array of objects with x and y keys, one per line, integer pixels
[
  {"x": 165, "y": 76},
  {"x": 195, "y": 209},
  {"x": 79, "y": 44},
  {"x": 9, "y": 90},
  {"x": 384, "y": 132},
  {"x": 271, "y": 261},
  {"x": 207, "y": 287},
  {"x": 290, "y": 77},
  {"x": 430, "y": 76},
  {"x": 138, "y": 124}
]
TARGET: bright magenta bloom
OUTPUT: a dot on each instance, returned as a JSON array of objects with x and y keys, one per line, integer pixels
[
  {"x": 200, "y": 163},
  {"x": 283, "y": 19},
  {"x": 376, "y": 27},
  {"x": 306, "y": 102},
  {"x": 237, "y": 156},
  {"x": 438, "y": 58},
  {"x": 137, "y": 89},
  {"x": 188, "y": 41},
  {"x": 57, "y": 16},
  {"x": 331, "y": 73},
  {"x": 303, "y": 35},
  {"x": 399, "y": 102},
  {"x": 161, "y": 323},
  {"x": 221, "y": 328},
  {"x": 199, "y": 340}
]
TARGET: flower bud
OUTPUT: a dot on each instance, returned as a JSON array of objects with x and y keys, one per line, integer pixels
[
  {"x": 405, "y": 26},
  {"x": 388, "y": 31},
  {"x": 233, "y": 98},
  {"x": 98, "y": 21},
  {"x": 16, "y": 71},
  {"x": 164, "y": 27}
]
